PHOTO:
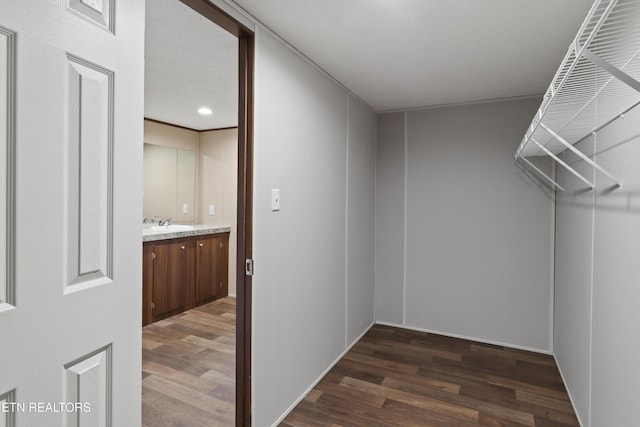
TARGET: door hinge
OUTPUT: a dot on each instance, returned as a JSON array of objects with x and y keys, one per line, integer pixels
[
  {"x": 153, "y": 256},
  {"x": 220, "y": 245},
  {"x": 153, "y": 306},
  {"x": 248, "y": 267}
]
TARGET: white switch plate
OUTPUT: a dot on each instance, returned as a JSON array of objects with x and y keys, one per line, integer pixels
[
  {"x": 185, "y": 208},
  {"x": 275, "y": 199},
  {"x": 212, "y": 210}
]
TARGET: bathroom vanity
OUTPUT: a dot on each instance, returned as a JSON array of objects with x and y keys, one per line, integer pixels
[{"x": 183, "y": 267}]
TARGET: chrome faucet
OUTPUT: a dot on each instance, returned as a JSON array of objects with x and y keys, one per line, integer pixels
[
  {"x": 165, "y": 222},
  {"x": 151, "y": 220}
]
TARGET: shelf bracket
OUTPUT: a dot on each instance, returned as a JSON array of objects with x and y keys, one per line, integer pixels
[
  {"x": 613, "y": 70},
  {"x": 580, "y": 154},
  {"x": 566, "y": 166},
  {"x": 537, "y": 169}
]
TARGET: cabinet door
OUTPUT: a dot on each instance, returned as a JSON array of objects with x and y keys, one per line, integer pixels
[
  {"x": 224, "y": 265},
  {"x": 147, "y": 284},
  {"x": 207, "y": 269},
  {"x": 169, "y": 278}
]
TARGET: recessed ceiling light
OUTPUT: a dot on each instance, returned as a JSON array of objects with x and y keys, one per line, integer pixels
[{"x": 205, "y": 111}]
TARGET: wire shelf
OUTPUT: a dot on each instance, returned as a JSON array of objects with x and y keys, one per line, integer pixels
[{"x": 596, "y": 83}]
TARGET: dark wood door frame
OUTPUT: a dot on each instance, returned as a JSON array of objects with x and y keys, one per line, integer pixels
[
  {"x": 246, "y": 43},
  {"x": 245, "y": 233}
]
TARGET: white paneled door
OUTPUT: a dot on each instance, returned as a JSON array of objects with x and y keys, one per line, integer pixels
[{"x": 71, "y": 106}]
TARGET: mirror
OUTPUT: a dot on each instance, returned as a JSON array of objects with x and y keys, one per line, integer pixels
[{"x": 169, "y": 183}]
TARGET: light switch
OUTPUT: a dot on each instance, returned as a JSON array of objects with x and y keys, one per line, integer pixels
[
  {"x": 185, "y": 208},
  {"x": 275, "y": 199},
  {"x": 212, "y": 210}
]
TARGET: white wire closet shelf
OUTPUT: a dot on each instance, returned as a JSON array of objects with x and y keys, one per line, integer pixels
[{"x": 597, "y": 83}]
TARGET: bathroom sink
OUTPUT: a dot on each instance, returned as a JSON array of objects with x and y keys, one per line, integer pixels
[{"x": 173, "y": 228}]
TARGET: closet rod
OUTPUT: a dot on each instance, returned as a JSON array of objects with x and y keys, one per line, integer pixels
[
  {"x": 566, "y": 166},
  {"x": 547, "y": 177},
  {"x": 607, "y": 123},
  {"x": 581, "y": 155}
]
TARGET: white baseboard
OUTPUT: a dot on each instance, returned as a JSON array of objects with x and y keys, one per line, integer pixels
[
  {"x": 326, "y": 371},
  {"x": 485, "y": 341},
  {"x": 568, "y": 392}
]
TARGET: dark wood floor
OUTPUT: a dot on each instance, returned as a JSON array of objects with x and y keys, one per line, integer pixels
[
  {"x": 188, "y": 368},
  {"x": 396, "y": 377}
]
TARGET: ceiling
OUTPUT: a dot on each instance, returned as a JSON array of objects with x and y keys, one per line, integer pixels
[
  {"x": 189, "y": 63},
  {"x": 397, "y": 54},
  {"x": 393, "y": 54}
]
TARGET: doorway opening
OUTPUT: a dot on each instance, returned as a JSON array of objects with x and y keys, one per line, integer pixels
[{"x": 219, "y": 141}]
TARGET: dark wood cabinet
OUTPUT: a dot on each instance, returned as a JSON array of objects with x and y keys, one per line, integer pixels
[
  {"x": 147, "y": 283},
  {"x": 179, "y": 274},
  {"x": 169, "y": 279},
  {"x": 212, "y": 263}
]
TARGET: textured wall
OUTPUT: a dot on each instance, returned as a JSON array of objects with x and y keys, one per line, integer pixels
[
  {"x": 478, "y": 230},
  {"x": 597, "y": 271},
  {"x": 316, "y": 144}
]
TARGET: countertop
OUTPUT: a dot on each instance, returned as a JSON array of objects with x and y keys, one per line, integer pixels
[{"x": 149, "y": 235}]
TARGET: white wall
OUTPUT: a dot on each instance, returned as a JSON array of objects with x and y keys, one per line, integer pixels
[
  {"x": 218, "y": 182},
  {"x": 390, "y": 218},
  {"x": 306, "y": 305},
  {"x": 361, "y": 152},
  {"x": 478, "y": 231},
  {"x": 572, "y": 320},
  {"x": 170, "y": 136},
  {"x": 597, "y": 285}
]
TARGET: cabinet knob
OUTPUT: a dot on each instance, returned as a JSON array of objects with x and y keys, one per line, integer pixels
[
  {"x": 201, "y": 245},
  {"x": 182, "y": 247}
]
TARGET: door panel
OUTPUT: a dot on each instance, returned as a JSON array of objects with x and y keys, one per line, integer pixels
[
  {"x": 7, "y": 146},
  {"x": 72, "y": 287},
  {"x": 88, "y": 171}
]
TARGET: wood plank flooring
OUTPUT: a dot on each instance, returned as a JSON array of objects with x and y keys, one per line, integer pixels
[
  {"x": 397, "y": 377},
  {"x": 188, "y": 368}
]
